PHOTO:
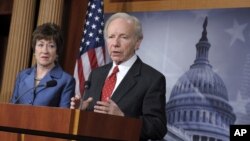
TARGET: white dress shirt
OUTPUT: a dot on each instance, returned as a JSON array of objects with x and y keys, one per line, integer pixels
[{"x": 123, "y": 69}]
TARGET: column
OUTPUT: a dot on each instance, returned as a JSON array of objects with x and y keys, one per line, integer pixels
[
  {"x": 50, "y": 11},
  {"x": 19, "y": 44}
]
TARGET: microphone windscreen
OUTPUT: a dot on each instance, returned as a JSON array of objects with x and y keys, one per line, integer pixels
[
  {"x": 51, "y": 83},
  {"x": 87, "y": 84}
]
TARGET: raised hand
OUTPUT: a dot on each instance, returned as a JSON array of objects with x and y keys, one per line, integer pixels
[{"x": 108, "y": 107}]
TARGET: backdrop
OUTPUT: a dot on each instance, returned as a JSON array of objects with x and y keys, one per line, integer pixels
[{"x": 169, "y": 45}]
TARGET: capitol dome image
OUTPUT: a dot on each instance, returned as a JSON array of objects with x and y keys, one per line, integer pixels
[{"x": 198, "y": 108}]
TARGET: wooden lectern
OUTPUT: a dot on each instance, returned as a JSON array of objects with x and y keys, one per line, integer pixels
[{"x": 28, "y": 123}]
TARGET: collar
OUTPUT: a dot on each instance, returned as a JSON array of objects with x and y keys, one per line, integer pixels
[
  {"x": 127, "y": 64},
  {"x": 55, "y": 72}
]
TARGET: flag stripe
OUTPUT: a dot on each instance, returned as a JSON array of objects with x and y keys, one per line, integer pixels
[
  {"x": 80, "y": 75},
  {"x": 100, "y": 55},
  {"x": 86, "y": 65},
  {"x": 92, "y": 56}
]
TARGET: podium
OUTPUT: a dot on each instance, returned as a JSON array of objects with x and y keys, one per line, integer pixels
[{"x": 20, "y": 122}]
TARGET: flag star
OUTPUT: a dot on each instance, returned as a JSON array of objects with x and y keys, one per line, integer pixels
[
  {"x": 97, "y": 18},
  {"x": 97, "y": 39},
  {"x": 87, "y": 43},
  {"x": 82, "y": 39},
  {"x": 100, "y": 31},
  {"x": 99, "y": 10},
  {"x": 91, "y": 34},
  {"x": 93, "y": 26},
  {"x": 236, "y": 32},
  {"x": 85, "y": 31},
  {"x": 87, "y": 23},
  {"x": 90, "y": 14},
  {"x": 239, "y": 104},
  {"x": 93, "y": 6},
  {"x": 81, "y": 48}
]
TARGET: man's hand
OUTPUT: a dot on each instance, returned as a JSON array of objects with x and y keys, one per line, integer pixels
[
  {"x": 76, "y": 102},
  {"x": 85, "y": 104},
  {"x": 108, "y": 107}
]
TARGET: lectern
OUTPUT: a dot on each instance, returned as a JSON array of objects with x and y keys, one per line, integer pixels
[{"x": 20, "y": 122}]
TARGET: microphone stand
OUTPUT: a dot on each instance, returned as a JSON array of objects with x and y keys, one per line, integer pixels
[
  {"x": 18, "y": 98},
  {"x": 50, "y": 83},
  {"x": 81, "y": 104},
  {"x": 86, "y": 86},
  {"x": 34, "y": 96}
]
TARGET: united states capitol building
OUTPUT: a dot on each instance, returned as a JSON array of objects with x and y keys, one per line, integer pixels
[{"x": 198, "y": 108}]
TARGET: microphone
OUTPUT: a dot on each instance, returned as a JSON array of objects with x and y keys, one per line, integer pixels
[
  {"x": 86, "y": 87},
  {"x": 50, "y": 83}
]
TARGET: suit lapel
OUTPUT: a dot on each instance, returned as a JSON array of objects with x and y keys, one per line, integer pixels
[
  {"x": 128, "y": 82},
  {"x": 29, "y": 80},
  {"x": 43, "y": 84},
  {"x": 25, "y": 87}
]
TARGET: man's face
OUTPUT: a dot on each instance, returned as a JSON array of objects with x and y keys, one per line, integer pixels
[{"x": 121, "y": 40}]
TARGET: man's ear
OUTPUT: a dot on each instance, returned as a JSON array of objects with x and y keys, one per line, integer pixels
[{"x": 137, "y": 44}]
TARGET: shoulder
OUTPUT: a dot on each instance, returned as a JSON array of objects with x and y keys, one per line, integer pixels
[
  {"x": 67, "y": 75},
  {"x": 152, "y": 77},
  {"x": 100, "y": 72},
  {"x": 150, "y": 69},
  {"x": 25, "y": 72},
  {"x": 146, "y": 69},
  {"x": 151, "y": 74},
  {"x": 103, "y": 68},
  {"x": 58, "y": 72}
]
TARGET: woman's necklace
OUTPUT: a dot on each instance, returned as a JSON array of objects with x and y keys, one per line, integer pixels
[{"x": 38, "y": 79}]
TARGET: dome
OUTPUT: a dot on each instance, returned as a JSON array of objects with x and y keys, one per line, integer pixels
[
  {"x": 198, "y": 102},
  {"x": 201, "y": 79}
]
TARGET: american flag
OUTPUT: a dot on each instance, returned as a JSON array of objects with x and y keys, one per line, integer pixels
[{"x": 92, "y": 53}]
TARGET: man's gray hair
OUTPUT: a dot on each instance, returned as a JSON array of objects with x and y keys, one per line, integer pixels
[{"x": 133, "y": 19}]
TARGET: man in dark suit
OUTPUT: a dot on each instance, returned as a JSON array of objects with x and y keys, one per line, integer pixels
[{"x": 139, "y": 90}]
